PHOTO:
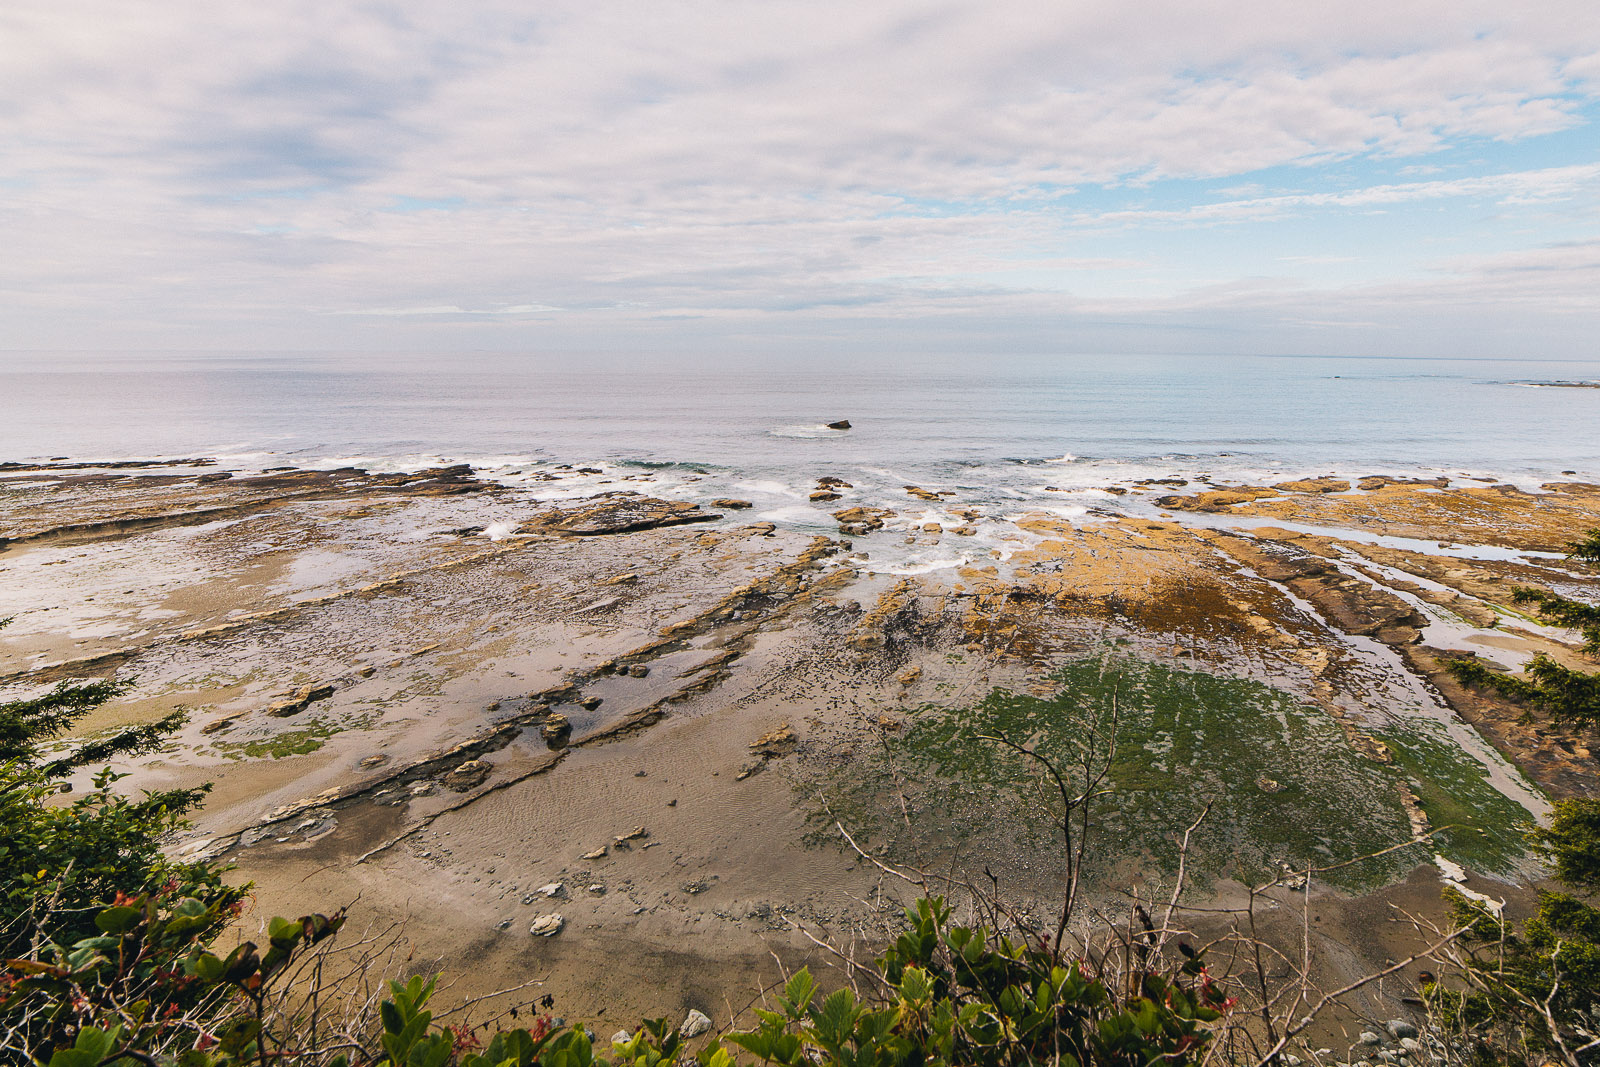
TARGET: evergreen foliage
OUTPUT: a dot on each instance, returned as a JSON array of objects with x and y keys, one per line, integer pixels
[
  {"x": 1530, "y": 994},
  {"x": 1574, "y": 613}
]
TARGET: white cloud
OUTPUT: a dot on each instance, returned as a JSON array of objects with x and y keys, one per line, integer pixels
[{"x": 224, "y": 172}]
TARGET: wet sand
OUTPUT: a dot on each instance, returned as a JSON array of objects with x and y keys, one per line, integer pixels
[{"x": 379, "y": 668}]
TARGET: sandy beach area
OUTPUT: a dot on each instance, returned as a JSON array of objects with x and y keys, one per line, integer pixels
[{"x": 437, "y": 699}]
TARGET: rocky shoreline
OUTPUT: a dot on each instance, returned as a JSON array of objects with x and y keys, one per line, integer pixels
[{"x": 444, "y": 696}]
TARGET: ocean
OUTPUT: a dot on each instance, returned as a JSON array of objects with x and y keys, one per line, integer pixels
[{"x": 939, "y": 414}]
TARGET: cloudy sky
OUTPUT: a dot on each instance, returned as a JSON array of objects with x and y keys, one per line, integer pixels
[{"x": 1362, "y": 176}]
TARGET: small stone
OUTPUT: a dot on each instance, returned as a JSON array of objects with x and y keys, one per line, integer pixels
[
  {"x": 421, "y": 789},
  {"x": 1400, "y": 1028},
  {"x": 367, "y": 672},
  {"x": 547, "y": 925},
  {"x": 590, "y": 703},
  {"x": 622, "y": 1037},
  {"x": 1269, "y": 785},
  {"x": 598, "y": 853},
  {"x": 1410, "y": 1044},
  {"x": 638, "y": 833},
  {"x": 373, "y": 761},
  {"x": 1369, "y": 1038},
  {"x": 551, "y": 889},
  {"x": 598, "y": 890},
  {"x": 504, "y": 924},
  {"x": 695, "y": 1024},
  {"x": 638, "y": 670}
]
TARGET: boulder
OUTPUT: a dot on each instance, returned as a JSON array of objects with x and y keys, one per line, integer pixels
[
  {"x": 556, "y": 730},
  {"x": 842, "y": 424},
  {"x": 858, "y": 521},
  {"x": 547, "y": 925},
  {"x": 731, "y": 504},
  {"x": 823, "y": 496},
  {"x": 467, "y": 776}
]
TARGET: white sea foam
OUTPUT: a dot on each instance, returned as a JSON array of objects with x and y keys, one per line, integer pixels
[
  {"x": 806, "y": 433},
  {"x": 499, "y": 531}
]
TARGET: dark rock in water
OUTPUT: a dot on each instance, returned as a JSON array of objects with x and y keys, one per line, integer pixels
[
  {"x": 842, "y": 424},
  {"x": 731, "y": 504},
  {"x": 823, "y": 496},
  {"x": 617, "y": 513}
]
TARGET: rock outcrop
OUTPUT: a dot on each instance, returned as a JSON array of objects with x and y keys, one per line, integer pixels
[{"x": 617, "y": 513}]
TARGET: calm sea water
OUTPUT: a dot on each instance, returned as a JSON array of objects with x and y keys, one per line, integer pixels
[{"x": 1069, "y": 420}]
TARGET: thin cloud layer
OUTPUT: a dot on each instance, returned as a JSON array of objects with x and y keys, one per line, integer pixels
[{"x": 609, "y": 176}]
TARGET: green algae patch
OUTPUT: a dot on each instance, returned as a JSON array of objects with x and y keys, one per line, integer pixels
[
  {"x": 1478, "y": 826},
  {"x": 1285, "y": 786},
  {"x": 301, "y": 741}
]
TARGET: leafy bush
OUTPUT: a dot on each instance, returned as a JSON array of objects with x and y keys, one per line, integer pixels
[{"x": 947, "y": 995}]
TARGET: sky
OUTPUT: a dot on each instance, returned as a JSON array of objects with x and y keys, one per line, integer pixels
[{"x": 1366, "y": 177}]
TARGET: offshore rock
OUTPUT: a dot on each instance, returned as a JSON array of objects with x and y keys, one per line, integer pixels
[
  {"x": 842, "y": 424},
  {"x": 858, "y": 521}
]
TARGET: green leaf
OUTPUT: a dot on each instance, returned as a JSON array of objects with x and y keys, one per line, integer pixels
[
  {"x": 797, "y": 993},
  {"x": 118, "y": 920}
]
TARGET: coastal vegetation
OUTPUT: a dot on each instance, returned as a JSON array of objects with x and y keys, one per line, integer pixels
[
  {"x": 1568, "y": 696},
  {"x": 114, "y": 957},
  {"x": 1284, "y": 785}
]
